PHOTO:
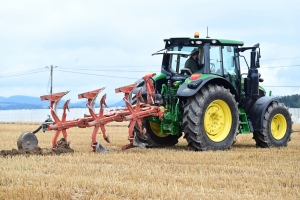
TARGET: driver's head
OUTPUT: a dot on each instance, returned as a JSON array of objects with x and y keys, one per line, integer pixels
[{"x": 195, "y": 52}]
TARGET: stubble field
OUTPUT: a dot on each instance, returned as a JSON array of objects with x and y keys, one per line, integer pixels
[{"x": 244, "y": 172}]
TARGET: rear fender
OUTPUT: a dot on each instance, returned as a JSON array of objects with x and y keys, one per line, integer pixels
[
  {"x": 258, "y": 111},
  {"x": 157, "y": 78},
  {"x": 188, "y": 90}
]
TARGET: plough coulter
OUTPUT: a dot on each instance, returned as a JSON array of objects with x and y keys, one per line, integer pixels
[{"x": 200, "y": 93}]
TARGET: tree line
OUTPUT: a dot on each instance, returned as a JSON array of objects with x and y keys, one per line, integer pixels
[{"x": 291, "y": 101}]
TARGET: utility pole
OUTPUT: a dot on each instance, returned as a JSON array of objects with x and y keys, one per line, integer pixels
[{"x": 51, "y": 77}]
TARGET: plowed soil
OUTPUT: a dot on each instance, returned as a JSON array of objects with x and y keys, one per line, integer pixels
[{"x": 61, "y": 147}]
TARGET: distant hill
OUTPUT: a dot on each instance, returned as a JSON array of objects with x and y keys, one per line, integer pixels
[
  {"x": 27, "y": 102},
  {"x": 16, "y": 106},
  {"x": 118, "y": 104}
]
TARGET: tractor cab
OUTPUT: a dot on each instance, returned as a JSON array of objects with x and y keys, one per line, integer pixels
[{"x": 216, "y": 57}]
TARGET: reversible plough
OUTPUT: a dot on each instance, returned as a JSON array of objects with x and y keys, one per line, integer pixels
[{"x": 133, "y": 113}]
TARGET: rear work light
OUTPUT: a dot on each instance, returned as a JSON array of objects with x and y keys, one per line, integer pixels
[{"x": 195, "y": 77}]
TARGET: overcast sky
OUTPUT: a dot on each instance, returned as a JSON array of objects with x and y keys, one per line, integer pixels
[{"x": 80, "y": 37}]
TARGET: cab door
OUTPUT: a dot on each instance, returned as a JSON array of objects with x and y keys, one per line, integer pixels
[
  {"x": 231, "y": 70},
  {"x": 224, "y": 61}
]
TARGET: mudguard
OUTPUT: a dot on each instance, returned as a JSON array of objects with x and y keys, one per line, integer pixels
[
  {"x": 141, "y": 83},
  {"x": 190, "y": 89},
  {"x": 258, "y": 111},
  {"x": 185, "y": 91}
]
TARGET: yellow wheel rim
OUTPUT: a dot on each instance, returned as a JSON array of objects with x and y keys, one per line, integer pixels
[
  {"x": 156, "y": 129},
  {"x": 217, "y": 120},
  {"x": 278, "y": 126}
]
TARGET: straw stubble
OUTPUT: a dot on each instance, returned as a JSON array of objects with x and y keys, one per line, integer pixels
[{"x": 244, "y": 172}]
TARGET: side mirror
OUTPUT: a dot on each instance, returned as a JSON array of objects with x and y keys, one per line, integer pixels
[
  {"x": 185, "y": 71},
  {"x": 256, "y": 45},
  {"x": 257, "y": 65}
]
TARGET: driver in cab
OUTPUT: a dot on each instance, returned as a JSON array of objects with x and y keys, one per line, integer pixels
[{"x": 192, "y": 62}]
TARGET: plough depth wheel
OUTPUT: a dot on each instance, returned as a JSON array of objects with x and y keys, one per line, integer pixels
[{"x": 27, "y": 140}]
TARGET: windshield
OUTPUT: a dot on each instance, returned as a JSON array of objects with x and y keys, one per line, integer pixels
[{"x": 180, "y": 54}]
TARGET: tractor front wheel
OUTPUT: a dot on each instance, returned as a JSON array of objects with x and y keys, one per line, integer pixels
[
  {"x": 277, "y": 127},
  {"x": 211, "y": 119}
]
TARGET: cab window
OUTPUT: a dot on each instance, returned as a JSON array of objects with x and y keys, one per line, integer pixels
[
  {"x": 228, "y": 60},
  {"x": 177, "y": 60},
  {"x": 215, "y": 62}
]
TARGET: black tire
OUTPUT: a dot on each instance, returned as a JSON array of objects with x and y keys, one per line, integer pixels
[
  {"x": 27, "y": 140},
  {"x": 277, "y": 127},
  {"x": 153, "y": 138},
  {"x": 216, "y": 107}
]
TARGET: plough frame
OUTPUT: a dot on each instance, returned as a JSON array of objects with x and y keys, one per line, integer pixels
[{"x": 133, "y": 113}]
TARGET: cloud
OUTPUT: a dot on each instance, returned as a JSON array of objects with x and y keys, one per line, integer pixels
[{"x": 120, "y": 35}]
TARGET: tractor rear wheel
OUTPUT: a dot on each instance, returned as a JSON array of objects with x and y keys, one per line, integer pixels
[
  {"x": 153, "y": 138},
  {"x": 277, "y": 127},
  {"x": 211, "y": 119}
]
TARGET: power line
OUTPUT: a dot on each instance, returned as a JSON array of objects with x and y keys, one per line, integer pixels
[
  {"x": 21, "y": 73},
  {"x": 96, "y": 74},
  {"x": 137, "y": 78},
  {"x": 110, "y": 66},
  {"x": 275, "y": 66},
  {"x": 25, "y": 71},
  {"x": 283, "y": 66},
  {"x": 88, "y": 69},
  {"x": 104, "y": 70},
  {"x": 81, "y": 73},
  {"x": 280, "y": 58},
  {"x": 282, "y": 86}
]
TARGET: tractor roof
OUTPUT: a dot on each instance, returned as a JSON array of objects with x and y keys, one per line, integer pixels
[{"x": 192, "y": 41}]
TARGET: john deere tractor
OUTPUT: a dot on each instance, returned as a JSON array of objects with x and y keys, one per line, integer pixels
[{"x": 215, "y": 103}]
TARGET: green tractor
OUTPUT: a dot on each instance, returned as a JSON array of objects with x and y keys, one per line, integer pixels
[{"x": 215, "y": 103}]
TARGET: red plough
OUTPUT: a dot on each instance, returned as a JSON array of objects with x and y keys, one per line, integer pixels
[{"x": 133, "y": 113}]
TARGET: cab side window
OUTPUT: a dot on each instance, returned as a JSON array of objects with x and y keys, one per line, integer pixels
[
  {"x": 228, "y": 60},
  {"x": 229, "y": 64},
  {"x": 215, "y": 60}
]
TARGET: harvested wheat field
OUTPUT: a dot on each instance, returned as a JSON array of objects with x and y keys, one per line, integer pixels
[{"x": 244, "y": 172}]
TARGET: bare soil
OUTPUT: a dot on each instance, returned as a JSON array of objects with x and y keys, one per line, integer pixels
[{"x": 61, "y": 147}]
